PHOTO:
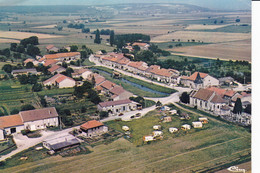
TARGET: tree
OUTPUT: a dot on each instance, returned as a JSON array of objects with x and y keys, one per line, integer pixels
[
  {"x": 29, "y": 65},
  {"x": 73, "y": 48},
  {"x": 248, "y": 109},
  {"x": 136, "y": 48},
  {"x": 14, "y": 111},
  {"x": 20, "y": 49},
  {"x": 97, "y": 38},
  {"x": 103, "y": 114},
  {"x": 13, "y": 46},
  {"x": 83, "y": 109},
  {"x": 185, "y": 98},
  {"x": 32, "y": 50},
  {"x": 238, "y": 107},
  {"x": 27, "y": 107},
  {"x": 158, "y": 104},
  {"x": 237, "y": 20},
  {"x": 17, "y": 55},
  {"x": 31, "y": 40},
  {"x": 36, "y": 87},
  {"x": 7, "y": 68},
  {"x": 59, "y": 28},
  {"x": 112, "y": 38}
]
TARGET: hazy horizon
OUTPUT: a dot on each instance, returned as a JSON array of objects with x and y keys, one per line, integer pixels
[{"x": 212, "y": 4}]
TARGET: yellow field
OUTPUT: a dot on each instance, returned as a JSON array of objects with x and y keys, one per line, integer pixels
[
  {"x": 237, "y": 50},
  {"x": 2, "y": 40},
  {"x": 46, "y": 26},
  {"x": 22, "y": 35},
  {"x": 191, "y": 27},
  {"x": 209, "y": 37}
]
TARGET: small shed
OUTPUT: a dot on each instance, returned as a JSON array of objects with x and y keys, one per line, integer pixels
[
  {"x": 173, "y": 111},
  {"x": 157, "y": 127},
  {"x": 204, "y": 120},
  {"x": 148, "y": 138},
  {"x": 185, "y": 127},
  {"x": 167, "y": 119},
  {"x": 173, "y": 129},
  {"x": 157, "y": 133},
  {"x": 197, "y": 124},
  {"x": 125, "y": 128}
]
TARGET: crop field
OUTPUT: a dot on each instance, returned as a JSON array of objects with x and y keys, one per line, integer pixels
[
  {"x": 207, "y": 37},
  {"x": 198, "y": 150},
  {"x": 22, "y": 35},
  {"x": 241, "y": 28},
  {"x": 237, "y": 50}
]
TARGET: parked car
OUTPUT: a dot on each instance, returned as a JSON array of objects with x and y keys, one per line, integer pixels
[
  {"x": 132, "y": 116},
  {"x": 120, "y": 114}
]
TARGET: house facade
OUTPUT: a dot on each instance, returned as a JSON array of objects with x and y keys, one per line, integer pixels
[
  {"x": 93, "y": 128},
  {"x": 60, "y": 81},
  {"x": 31, "y": 120},
  {"x": 117, "y": 107},
  {"x": 199, "y": 80},
  {"x": 24, "y": 71}
]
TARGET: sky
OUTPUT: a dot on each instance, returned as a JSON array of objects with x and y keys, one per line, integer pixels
[{"x": 213, "y": 4}]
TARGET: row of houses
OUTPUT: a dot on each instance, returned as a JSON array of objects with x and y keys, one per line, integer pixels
[
  {"x": 31, "y": 120},
  {"x": 118, "y": 60}
]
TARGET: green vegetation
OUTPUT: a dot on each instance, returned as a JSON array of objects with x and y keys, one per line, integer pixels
[
  {"x": 169, "y": 45},
  {"x": 7, "y": 146},
  {"x": 230, "y": 29}
]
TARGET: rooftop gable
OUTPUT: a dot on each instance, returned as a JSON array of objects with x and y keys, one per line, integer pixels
[
  {"x": 10, "y": 121},
  {"x": 38, "y": 114},
  {"x": 91, "y": 124}
]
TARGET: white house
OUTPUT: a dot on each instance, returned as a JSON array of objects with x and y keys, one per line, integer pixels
[
  {"x": 157, "y": 133},
  {"x": 173, "y": 129},
  {"x": 52, "y": 48},
  {"x": 199, "y": 80},
  {"x": 185, "y": 127},
  {"x": 119, "y": 106},
  {"x": 31, "y": 120},
  {"x": 60, "y": 81},
  {"x": 148, "y": 138},
  {"x": 207, "y": 100},
  {"x": 197, "y": 124},
  {"x": 93, "y": 128}
]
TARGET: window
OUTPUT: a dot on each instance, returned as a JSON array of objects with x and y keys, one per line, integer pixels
[{"x": 13, "y": 130}]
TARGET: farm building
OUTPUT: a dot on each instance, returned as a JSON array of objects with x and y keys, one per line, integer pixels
[
  {"x": 204, "y": 120},
  {"x": 31, "y": 120},
  {"x": 84, "y": 73},
  {"x": 56, "y": 69},
  {"x": 117, "y": 107},
  {"x": 185, "y": 127},
  {"x": 197, "y": 124},
  {"x": 93, "y": 128},
  {"x": 148, "y": 138},
  {"x": 24, "y": 71},
  {"x": 173, "y": 129},
  {"x": 52, "y": 48},
  {"x": 63, "y": 57},
  {"x": 60, "y": 81},
  {"x": 60, "y": 143}
]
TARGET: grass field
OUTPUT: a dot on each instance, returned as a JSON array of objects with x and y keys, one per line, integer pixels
[
  {"x": 22, "y": 35},
  {"x": 230, "y": 29},
  {"x": 215, "y": 146}
]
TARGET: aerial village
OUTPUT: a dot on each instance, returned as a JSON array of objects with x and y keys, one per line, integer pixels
[{"x": 203, "y": 91}]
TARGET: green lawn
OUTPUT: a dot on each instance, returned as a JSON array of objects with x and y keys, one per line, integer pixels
[{"x": 230, "y": 29}]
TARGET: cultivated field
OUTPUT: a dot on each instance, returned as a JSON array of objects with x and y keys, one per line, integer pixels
[
  {"x": 45, "y": 26},
  {"x": 3, "y": 40},
  {"x": 207, "y": 37},
  {"x": 195, "y": 151},
  {"x": 236, "y": 50},
  {"x": 22, "y": 35},
  {"x": 201, "y": 27}
]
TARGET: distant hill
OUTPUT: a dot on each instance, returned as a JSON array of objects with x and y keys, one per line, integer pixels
[{"x": 212, "y": 4}]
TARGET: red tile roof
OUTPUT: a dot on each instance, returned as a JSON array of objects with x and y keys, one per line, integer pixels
[
  {"x": 50, "y": 62},
  {"x": 203, "y": 94},
  {"x": 113, "y": 103},
  {"x": 50, "y": 46},
  {"x": 137, "y": 64},
  {"x": 57, "y": 78},
  {"x": 61, "y": 55},
  {"x": 29, "y": 60},
  {"x": 38, "y": 114},
  {"x": 10, "y": 121},
  {"x": 55, "y": 67},
  {"x": 217, "y": 99},
  {"x": 194, "y": 75},
  {"x": 117, "y": 90},
  {"x": 108, "y": 85},
  {"x": 91, "y": 124},
  {"x": 222, "y": 92}
]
